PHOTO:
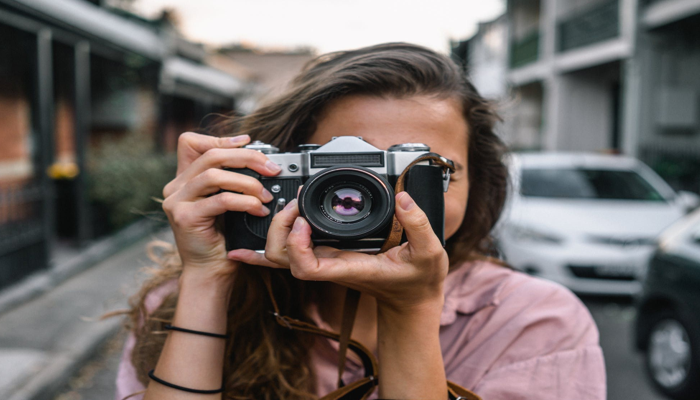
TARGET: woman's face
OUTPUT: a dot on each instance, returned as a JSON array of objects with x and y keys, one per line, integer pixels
[{"x": 383, "y": 122}]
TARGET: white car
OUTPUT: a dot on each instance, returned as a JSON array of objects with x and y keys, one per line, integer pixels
[{"x": 587, "y": 221}]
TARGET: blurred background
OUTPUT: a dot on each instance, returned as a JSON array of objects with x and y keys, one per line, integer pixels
[{"x": 600, "y": 102}]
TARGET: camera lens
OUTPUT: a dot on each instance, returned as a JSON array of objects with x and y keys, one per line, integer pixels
[{"x": 347, "y": 203}]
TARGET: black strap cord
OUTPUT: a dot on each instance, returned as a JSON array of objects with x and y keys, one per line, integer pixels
[
  {"x": 182, "y": 388},
  {"x": 177, "y": 328}
]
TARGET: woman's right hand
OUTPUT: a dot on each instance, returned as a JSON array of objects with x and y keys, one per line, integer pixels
[{"x": 191, "y": 202}]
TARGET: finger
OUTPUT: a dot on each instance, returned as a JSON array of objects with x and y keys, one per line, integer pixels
[
  {"x": 280, "y": 227},
  {"x": 192, "y": 145},
  {"x": 327, "y": 252},
  {"x": 220, "y": 158},
  {"x": 215, "y": 179},
  {"x": 252, "y": 257},
  {"x": 421, "y": 237},
  {"x": 303, "y": 263},
  {"x": 227, "y": 201},
  {"x": 233, "y": 158}
]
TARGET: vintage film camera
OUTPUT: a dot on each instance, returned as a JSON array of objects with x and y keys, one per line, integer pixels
[{"x": 347, "y": 193}]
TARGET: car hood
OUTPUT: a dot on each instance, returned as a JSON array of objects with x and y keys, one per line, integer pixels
[{"x": 606, "y": 218}]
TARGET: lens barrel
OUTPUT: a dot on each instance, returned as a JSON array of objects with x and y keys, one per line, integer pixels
[{"x": 347, "y": 203}]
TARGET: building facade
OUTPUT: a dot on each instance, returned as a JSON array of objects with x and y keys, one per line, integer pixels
[
  {"x": 271, "y": 71},
  {"x": 662, "y": 91},
  {"x": 611, "y": 76},
  {"x": 484, "y": 58},
  {"x": 72, "y": 74}
]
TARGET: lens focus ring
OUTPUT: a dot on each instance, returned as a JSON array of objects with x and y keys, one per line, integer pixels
[{"x": 347, "y": 203}]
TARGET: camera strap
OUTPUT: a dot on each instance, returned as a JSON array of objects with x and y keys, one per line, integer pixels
[
  {"x": 363, "y": 388},
  {"x": 394, "y": 237}
]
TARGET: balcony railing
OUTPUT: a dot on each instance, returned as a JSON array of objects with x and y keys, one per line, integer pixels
[
  {"x": 525, "y": 50},
  {"x": 596, "y": 24}
]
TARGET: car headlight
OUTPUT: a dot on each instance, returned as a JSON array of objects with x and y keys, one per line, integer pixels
[{"x": 526, "y": 234}]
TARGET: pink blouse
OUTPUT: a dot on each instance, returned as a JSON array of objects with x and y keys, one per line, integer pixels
[{"x": 504, "y": 335}]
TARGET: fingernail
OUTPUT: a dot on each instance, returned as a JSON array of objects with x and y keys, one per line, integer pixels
[
  {"x": 239, "y": 139},
  {"x": 405, "y": 201},
  {"x": 298, "y": 224},
  {"x": 266, "y": 195},
  {"x": 265, "y": 210},
  {"x": 272, "y": 166},
  {"x": 290, "y": 205}
]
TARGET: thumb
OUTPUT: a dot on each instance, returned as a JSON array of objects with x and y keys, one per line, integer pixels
[{"x": 416, "y": 225}]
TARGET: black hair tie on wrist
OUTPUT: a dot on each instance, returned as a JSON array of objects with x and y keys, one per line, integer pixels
[
  {"x": 182, "y": 388},
  {"x": 176, "y": 328}
]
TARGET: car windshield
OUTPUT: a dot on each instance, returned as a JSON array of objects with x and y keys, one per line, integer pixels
[{"x": 584, "y": 183}]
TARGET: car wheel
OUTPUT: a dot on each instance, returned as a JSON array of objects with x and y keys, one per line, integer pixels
[{"x": 672, "y": 356}]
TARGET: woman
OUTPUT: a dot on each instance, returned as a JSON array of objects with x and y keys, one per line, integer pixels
[{"x": 429, "y": 313}]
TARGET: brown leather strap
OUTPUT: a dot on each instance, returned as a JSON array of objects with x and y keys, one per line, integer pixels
[
  {"x": 361, "y": 389},
  {"x": 352, "y": 299},
  {"x": 358, "y": 390},
  {"x": 394, "y": 238},
  {"x": 457, "y": 392},
  {"x": 368, "y": 361}
]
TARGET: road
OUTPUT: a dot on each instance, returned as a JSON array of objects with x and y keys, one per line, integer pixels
[
  {"x": 613, "y": 316},
  {"x": 624, "y": 367}
]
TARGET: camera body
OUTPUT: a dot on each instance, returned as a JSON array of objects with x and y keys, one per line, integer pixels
[{"x": 347, "y": 193}]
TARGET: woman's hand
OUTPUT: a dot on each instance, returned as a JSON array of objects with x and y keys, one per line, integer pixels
[
  {"x": 407, "y": 282},
  {"x": 191, "y": 202},
  {"x": 405, "y": 277}
]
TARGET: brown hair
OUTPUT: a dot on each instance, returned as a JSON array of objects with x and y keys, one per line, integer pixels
[{"x": 274, "y": 361}]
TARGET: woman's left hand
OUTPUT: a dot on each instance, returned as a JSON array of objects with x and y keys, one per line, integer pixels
[{"x": 403, "y": 277}]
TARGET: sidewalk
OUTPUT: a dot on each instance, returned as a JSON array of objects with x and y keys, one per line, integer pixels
[
  {"x": 67, "y": 261},
  {"x": 45, "y": 341}
]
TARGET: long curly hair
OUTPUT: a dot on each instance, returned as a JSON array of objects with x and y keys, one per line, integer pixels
[{"x": 277, "y": 360}]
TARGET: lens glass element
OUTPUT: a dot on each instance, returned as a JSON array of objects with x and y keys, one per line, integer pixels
[{"x": 347, "y": 203}]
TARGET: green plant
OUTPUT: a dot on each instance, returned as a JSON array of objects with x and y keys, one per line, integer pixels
[{"x": 127, "y": 175}]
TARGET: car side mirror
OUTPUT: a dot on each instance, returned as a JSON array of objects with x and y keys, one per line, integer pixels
[{"x": 688, "y": 200}]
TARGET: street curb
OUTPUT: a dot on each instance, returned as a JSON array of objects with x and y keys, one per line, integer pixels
[
  {"x": 38, "y": 284},
  {"x": 54, "y": 375}
]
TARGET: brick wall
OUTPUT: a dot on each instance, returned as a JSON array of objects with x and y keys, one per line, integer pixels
[
  {"x": 15, "y": 138},
  {"x": 64, "y": 131}
]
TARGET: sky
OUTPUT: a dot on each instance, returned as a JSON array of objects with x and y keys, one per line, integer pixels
[{"x": 327, "y": 25}]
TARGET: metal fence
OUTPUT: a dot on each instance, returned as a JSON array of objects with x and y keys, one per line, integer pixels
[{"x": 22, "y": 233}]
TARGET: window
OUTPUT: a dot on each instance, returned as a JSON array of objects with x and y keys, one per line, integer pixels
[{"x": 580, "y": 183}]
